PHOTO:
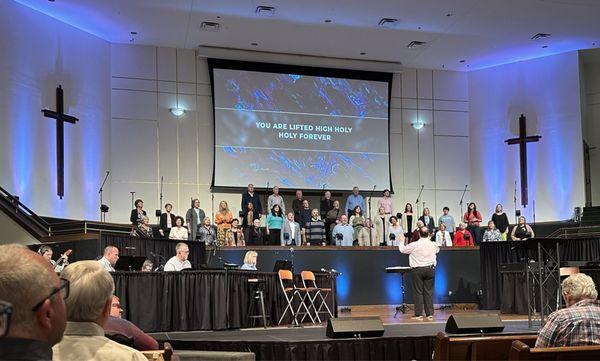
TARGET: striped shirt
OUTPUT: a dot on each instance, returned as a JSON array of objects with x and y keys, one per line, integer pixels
[
  {"x": 315, "y": 232},
  {"x": 578, "y": 325}
]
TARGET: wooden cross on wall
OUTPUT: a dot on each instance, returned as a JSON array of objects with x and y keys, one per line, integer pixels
[
  {"x": 522, "y": 141},
  {"x": 61, "y": 118}
]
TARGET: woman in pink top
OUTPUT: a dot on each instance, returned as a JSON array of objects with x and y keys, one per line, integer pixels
[
  {"x": 386, "y": 203},
  {"x": 473, "y": 219}
]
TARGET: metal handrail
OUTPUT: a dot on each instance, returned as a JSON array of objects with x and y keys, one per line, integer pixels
[
  {"x": 14, "y": 205},
  {"x": 576, "y": 232}
]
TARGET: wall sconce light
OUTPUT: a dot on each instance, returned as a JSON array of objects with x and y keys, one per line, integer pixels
[
  {"x": 418, "y": 124},
  {"x": 177, "y": 111}
]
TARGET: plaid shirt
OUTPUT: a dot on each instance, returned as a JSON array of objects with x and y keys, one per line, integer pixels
[{"x": 577, "y": 325}]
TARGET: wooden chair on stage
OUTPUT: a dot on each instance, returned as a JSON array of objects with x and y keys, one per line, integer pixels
[
  {"x": 521, "y": 351},
  {"x": 477, "y": 347},
  {"x": 290, "y": 291},
  {"x": 316, "y": 294}
]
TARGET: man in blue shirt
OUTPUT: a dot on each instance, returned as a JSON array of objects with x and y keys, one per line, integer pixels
[
  {"x": 448, "y": 220},
  {"x": 343, "y": 233},
  {"x": 354, "y": 200}
]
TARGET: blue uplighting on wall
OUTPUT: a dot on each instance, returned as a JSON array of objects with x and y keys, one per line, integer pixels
[
  {"x": 22, "y": 154},
  {"x": 343, "y": 284},
  {"x": 393, "y": 288},
  {"x": 441, "y": 284}
]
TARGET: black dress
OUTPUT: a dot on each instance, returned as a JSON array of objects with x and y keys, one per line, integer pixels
[{"x": 501, "y": 221}]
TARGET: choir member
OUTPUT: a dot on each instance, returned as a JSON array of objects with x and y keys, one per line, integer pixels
[
  {"x": 223, "y": 219},
  {"x": 248, "y": 216},
  {"x": 193, "y": 218},
  {"x": 167, "y": 221},
  {"x": 326, "y": 204},
  {"x": 179, "y": 232},
  {"x": 251, "y": 197},
  {"x": 254, "y": 234},
  {"x": 357, "y": 221},
  {"x": 354, "y": 200},
  {"x": 274, "y": 224},
  {"x": 332, "y": 218},
  {"x": 462, "y": 236},
  {"x": 274, "y": 199},
  {"x": 522, "y": 230},
  {"x": 290, "y": 231},
  {"x": 386, "y": 203},
  {"x": 143, "y": 229},
  {"x": 343, "y": 233},
  {"x": 427, "y": 220},
  {"x": 415, "y": 235},
  {"x": 366, "y": 236},
  {"x": 448, "y": 221},
  {"x": 304, "y": 214},
  {"x": 500, "y": 219},
  {"x": 408, "y": 220},
  {"x": 473, "y": 219},
  {"x": 395, "y": 231},
  {"x": 297, "y": 204},
  {"x": 137, "y": 212},
  {"x": 492, "y": 234},
  {"x": 442, "y": 236},
  {"x": 234, "y": 236},
  {"x": 207, "y": 233},
  {"x": 315, "y": 230},
  {"x": 380, "y": 225}
]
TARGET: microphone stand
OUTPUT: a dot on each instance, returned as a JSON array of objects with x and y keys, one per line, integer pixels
[
  {"x": 371, "y": 228},
  {"x": 461, "y": 201},
  {"x": 132, "y": 205},
  {"x": 102, "y": 219},
  {"x": 533, "y": 216},
  {"x": 266, "y": 210},
  {"x": 161, "y": 199},
  {"x": 212, "y": 206},
  {"x": 418, "y": 198},
  {"x": 515, "y": 201}
]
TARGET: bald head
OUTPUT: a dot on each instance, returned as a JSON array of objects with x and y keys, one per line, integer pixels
[{"x": 26, "y": 279}]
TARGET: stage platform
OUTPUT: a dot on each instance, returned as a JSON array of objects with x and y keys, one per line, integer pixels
[{"x": 404, "y": 339}]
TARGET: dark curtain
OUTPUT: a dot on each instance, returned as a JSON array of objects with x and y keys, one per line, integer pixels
[
  {"x": 495, "y": 286},
  {"x": 133, "y": 246},
  {"x": 197, "y": 300},
  {"x": 384, "y": 348}
]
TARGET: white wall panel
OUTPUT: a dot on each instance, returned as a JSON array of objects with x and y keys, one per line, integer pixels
[
  {"x": 134, "y": 150},
  {"x": 133, "y": 61},
  {"x": 450, "y": 85},
  {"x": 133, "y": 104},
  {"x": 451, "y": 159},
  {"x": 451, "y": 123},
  {"x": 166, "y": 64}
]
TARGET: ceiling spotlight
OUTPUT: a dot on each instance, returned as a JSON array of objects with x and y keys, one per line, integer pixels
[
  {"x": 254, "y": 44},
  {"x": 539, "y": 36},
  {"x": 363, "y": 53},
  {"x": 418, "y": 124},
  {"x": 388, "y": 22},
  {"x": 210, "y": 26},
  {"x": 449, "y": 14},
  {"x": 177, "y": 111},
  {"x": 415, "y": 44},
  {"x": 133, "y": 33},
  {"x": 544, "y": 46},
  {"x": 462, "y": 61},
  {"x": 265, "y": 10},
  {"x": 327, "y": 20}
]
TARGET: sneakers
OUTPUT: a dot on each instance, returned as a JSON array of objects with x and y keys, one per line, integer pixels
[
  {"x": 430, "y": 318},
  {"x": 417, "y": 318}
]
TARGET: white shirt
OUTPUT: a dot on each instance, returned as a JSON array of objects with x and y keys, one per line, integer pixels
[
  {"x": 107, "y": 266},
  {"x": 397, "y": 232},
  {"x": 440, "y": 241},
  {"x": 175, "y": 264},
  {"x": 197, "y": 210},
  {"x": 422, "y": 253},
  {"x": 178, "y": 233},
  {"x": 292, "y": 230},
  {"x": 169, "y": 225}
]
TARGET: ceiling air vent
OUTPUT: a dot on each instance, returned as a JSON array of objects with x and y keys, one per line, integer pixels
[
  {"x": 539, "y": 36},
  {"x": 210, "y": 26},
  {"x": 415, "y": 44},
  {"x": 265, "y": 10},
  {"x": 388, "y": 22}
]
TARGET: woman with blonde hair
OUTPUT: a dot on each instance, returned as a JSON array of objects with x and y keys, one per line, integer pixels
[
  {"x": 250, "y": 261},
  {"x": 223, "y": 219}
]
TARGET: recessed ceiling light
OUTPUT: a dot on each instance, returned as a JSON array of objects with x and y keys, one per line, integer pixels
[
  {"x": 265, "y": 10},
  {"x": 51, "y": 1},
  {"x": 254, "y": 44},
  {"x": 133, "y": 33},
  {"x": 419, "y": 28},
  {"x": 218, "y": 16},
  {"x": 416, "y": 44},
  {"x": 363, "y": 53},
  {"x": 462, "y": 61},
  {"x": 327, "y": 20},
  {"x": 210, "y": 26},
  {"x": 449, "y": 14},
  {"x": 539, "y": 36},
  {"x": 544, "y": 46},
  {"x": 388, "y": 22}
]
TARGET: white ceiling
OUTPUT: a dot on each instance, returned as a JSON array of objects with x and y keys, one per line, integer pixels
[{"x": 482, "y": 32}]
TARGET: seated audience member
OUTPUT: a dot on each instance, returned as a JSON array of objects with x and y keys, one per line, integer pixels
[
  {"x": 462, "y": 237},
  {"x": 579, "y": 323},
  {"x": 167, "y": 221},
  {"x": 333, "y": 218},
  {"x": 38, "y": 319},
  {"x": 88, "y": 309},
  {"x": 492, "y": 234},
  {"x": 143, "y": 229},
  {"x": 60, "y": 263},
  {"x": 207, "y": 233},
  {"x": 254, "y": 235},
  {"x": 448, "y": 221},
  {"x": 116, "y": 325},
  {"x": 274, "y": 224},
  {"x": 235, "y": 235},
  {"x": 416, "y": 234},
  {"x": 500, "y": 219},
  {"x": 522, "y": 231},
  {"x": 179, "y": 232},
  {"x": 343, "y": 233},
  {"x": 442, "y": 236},
  {"x": 274, "y": 199},
  {"x": 223, "y": 219},
  {"x": 315, "y": 230},
  {"x": 137, "y": 213},
  {"x": 394, "y": 232},
  {"x": 250, "y": 261},
  {"x": 380, "y": 228},
  {"x": 147, "y": 266},
  {"x": 290, "y": 231},
  {"x": 366, "y": 236},
  {"x": 427, "y": 220},
  {"x": 110, "y": 258},
  {"x": 180, "y": 260},
  {"x": 356, "y": 220}
]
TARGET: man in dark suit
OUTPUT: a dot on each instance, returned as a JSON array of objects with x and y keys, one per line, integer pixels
[
  {"x": 167, "y": 221},
  {"x": 251, "y": 197}
]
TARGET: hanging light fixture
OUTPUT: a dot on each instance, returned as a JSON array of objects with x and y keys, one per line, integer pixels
[{"x": 177, "y": 111}]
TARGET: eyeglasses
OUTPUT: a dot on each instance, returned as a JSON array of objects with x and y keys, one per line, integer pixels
[
  {"x": 63, "y": 289},
  {"x": 6, "y": 311}
]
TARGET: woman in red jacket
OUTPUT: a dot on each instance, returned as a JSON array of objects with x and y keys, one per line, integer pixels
[
  {"x": 462, "y": 237},
  {"x": 473, "y": 219}
]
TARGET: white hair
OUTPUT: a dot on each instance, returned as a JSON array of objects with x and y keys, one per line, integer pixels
[
  {"x": 180, "y": 245},
  {"x": 91, "y": 287},
  {"x": 25, "y": 279},
  {"x": 580, "y": 286}
]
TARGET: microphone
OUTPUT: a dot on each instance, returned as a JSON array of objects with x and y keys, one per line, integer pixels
[
  {"x": 292, "y": 249},
  {"x": 335, "y": 272},
  {"x": 132, "y": 248}
]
